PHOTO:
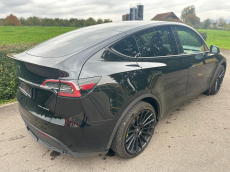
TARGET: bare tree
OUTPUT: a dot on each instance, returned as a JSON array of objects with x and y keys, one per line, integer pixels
[
  {"x": 221, "y": 21},
  {"x": 207, "y": 23}
]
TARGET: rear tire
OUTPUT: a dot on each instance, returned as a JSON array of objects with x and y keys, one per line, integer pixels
[
  {"x": 217, "y": 81},
  {"x": 135, "y": 131}
]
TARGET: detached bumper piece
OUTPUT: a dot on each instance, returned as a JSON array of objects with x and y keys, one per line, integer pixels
[{"x": 45, "y": 143}]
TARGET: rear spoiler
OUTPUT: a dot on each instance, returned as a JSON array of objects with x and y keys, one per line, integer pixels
[
  {"x": 48, "y": 65},
  {"x": 46, "y": 62}
]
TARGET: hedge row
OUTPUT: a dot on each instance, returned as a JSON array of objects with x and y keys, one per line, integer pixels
[
  {"x": 203, "y": 34},
  {"x": 8, "y": 80}
]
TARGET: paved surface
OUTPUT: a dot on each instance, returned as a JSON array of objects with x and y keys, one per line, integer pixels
[{"x": 195, "y": 137}]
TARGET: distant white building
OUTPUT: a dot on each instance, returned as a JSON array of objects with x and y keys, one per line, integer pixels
[{"x": 214, "y": 25}]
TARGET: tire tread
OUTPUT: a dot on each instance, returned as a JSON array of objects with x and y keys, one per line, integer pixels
[{"x": 116, "y": 145}]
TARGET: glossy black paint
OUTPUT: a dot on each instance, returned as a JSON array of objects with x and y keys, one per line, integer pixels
[{"x": 86, "y": 125}]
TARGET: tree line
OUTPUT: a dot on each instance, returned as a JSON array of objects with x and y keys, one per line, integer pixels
[
  {"x": 12, "y": 20},
  {"x": 189, "y": 17}
]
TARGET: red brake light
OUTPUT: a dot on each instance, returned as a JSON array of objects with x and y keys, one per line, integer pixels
[
  {"x": 49, "y": 80},
  {"x": 71, "y": 88},
  {"x": 87, "y": 86},
  {"x": 75, "y": 92}
]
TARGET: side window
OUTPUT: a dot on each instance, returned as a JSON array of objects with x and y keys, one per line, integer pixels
[
  {"x": 127, "y": 47},
  {"x": 156, "y": 42},
  {"x": 190, "y": 41}
]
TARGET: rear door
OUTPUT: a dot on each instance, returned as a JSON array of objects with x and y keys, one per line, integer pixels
[
  {"x": 122, "y": 79},
  {"x": 202, "y": 65},
  {"x": 166, "y": 71}
]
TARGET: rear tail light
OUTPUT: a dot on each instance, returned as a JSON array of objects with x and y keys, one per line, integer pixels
[
  {"x": 73, "y": 88},
  {"x": 69, "y": 89},
  {"x": 52, "y": 84}
]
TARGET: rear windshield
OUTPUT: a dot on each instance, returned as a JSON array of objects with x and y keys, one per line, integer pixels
[{"x": 71, "y": 42}]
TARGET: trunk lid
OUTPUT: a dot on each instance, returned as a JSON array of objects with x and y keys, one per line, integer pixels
[{"x": 39, "y": 102}]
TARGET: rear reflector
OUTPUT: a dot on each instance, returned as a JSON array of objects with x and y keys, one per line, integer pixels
[{"x": 44, "y": 135}]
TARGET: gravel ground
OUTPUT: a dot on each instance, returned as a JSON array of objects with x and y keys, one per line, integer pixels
[{"x": 195, "y": 137}]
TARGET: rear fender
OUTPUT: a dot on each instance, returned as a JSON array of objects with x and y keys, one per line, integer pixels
[{"x": 128, "y": 108}]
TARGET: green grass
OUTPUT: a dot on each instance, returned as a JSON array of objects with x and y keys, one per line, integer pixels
[
  {"x": 29, "y": 34},
  {"x": 5, "y": 101},
  {"x": 37, "y": 34},
  {"x": 219, "y": 38}
]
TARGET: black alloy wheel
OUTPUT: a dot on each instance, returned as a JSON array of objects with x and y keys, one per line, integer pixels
[
  {"x": 140, "y": 131},
  {"x": 216, "y": 85},
  {"x": 135, "y": 130},
  {"x": 219, "y": 80}
]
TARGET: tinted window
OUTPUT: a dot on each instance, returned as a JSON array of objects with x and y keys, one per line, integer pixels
[
  {"x": 190, "y": 41},
  {"x": 156, "y": 42},
  {"x": 127, "y": 47}
]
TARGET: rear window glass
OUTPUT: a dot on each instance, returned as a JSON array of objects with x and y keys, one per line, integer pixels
[
  {"x": 127, "y": 47},
  {"x": 71, "y": 42}
]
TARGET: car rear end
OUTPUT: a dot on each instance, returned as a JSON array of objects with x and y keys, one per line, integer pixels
[
  {"x": 54, "y": 103},
  {"x": 50, "y": 105},
  {"x": 36, "y": 104}
]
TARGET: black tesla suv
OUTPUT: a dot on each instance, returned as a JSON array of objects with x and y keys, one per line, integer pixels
[{"x": 106, "y": 86}]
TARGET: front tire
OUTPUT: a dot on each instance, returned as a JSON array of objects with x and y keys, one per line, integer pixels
[
  {"x": 218, "y": 81},
  {"x": 135, "y": 130}
]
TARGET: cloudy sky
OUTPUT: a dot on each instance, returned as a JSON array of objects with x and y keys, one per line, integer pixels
[{"x": 110, "y": 9}]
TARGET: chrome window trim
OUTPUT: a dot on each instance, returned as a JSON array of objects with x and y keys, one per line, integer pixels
[
  {"x": 28, "y": 82},
  {"x": 178, "y": 55}
]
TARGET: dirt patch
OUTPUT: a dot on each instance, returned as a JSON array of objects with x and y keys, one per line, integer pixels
[{"x": 54, "y": 154}]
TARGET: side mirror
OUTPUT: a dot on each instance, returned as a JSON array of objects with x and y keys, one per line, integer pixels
[{"x": 214, "y": 49}]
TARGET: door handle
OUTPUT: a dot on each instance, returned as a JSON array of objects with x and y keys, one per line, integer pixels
[
  {"x": 138, "y": 55},
  {"x": 133, "y": 65}
]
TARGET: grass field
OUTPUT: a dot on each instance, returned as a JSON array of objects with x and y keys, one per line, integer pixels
[
  {"x": 27, "y": 34},
  {"x": 34, "y": 34},
  {"x": 218, "y": 37}
]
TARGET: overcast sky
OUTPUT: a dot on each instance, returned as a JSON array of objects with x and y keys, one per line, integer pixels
[{"x": 110, "y": 9}]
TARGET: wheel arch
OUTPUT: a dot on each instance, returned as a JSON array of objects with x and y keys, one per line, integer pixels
[
  {"x": 224, "y": 64},
  {"x": 149, "y": 98},
  {"x": 155, "y": 104}
]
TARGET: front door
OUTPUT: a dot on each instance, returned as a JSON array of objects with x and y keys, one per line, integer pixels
[{"x": 201, "y": 64}]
